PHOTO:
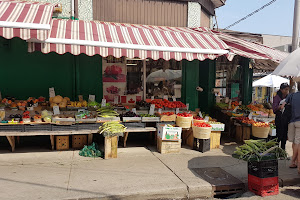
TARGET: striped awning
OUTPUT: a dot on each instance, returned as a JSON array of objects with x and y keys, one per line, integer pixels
[
  {"x": 247, "y": 49},
  {"x": 25, "y": 19},
  {"x": 129, "y": 40}
]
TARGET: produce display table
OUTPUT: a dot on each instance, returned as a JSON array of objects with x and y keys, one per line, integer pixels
[
  {"x": 11, "y": 135},
  {"x": 137, "y": 130}
]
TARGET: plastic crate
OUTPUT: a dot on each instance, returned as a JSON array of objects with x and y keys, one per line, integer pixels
[
  {"x": 264, "y": 190},
  {"x": 263, "y": 169},
  {"x": 135, "y": 125},
  {"x": 37, "y": 127},
  {"x": 72, "y": 127},
  {"x": 89, "y": 126},
  {"x": 202, "y": 145},
  {"x": 12, "y": 128},
  {"x": 262, "y": 181}
]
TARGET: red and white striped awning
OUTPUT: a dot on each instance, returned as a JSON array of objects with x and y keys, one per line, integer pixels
[
  {"x": 129, "y": 40},
  {"x": 247, "y": 49},
  {"x": 25, "y": 19}
]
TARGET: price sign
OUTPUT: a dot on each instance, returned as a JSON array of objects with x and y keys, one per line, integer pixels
[
  {"x": 250, "y": 115},
  {"x": 254, "y": 118},
  {"x": 92, "y": 97},
  {"x": 56, "y": 110},
  {"x": 177, "y": 111},
  {"x": 103, "y": 104},
  {"x": 206, "y": 118},
  {"x": 174, "y": 98},
  {"x": 200, "y": 114},
  {"x": 229, "y": 104},
  {"x": 159, "y": 110},
  {"x": 81, "y": 110},
  {"x": 152, "y": 107},
  {"x": 226, "y": 99},
  {"x": 166, "y": 97},
  {"x": 152, "y": 98},
  {"x": 51, "y": 92},
  {"x": 240, "y": 103},
  {"x": 30, "y": 108},
  {"x": 236, "y": 108},
  {"x": 187, "y": 106},
  {"x": 134, "y": 110},
  {"x": 116, "y": 100},
  {"x": 80, "y": 98}
]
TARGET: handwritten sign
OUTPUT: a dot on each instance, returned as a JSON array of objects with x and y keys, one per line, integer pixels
[
  {"x": 51, "y": 92},
  {"x": 250, "y": 115},
  {"x": 187, "y": 106},
  {"x": 116, "y": 100},
  {"x": 152, "y": 98},
  {"x": 206, "y": 118},
  {"x": 200, "y": 114},
  {"x": 103, "y": 103},
  {"x": 92, "y": 97},
  {"x": 56, "y": 110},
  {"x": 134, "y": 110},
  {"x": 236, "y": 108},
  {"x": 159, "y": 111},
  {"x": 177, "y": 111},
  {"x": 166, "y": 97},
  {"x": 80, "y": 98},
  {"x": 174, "y": 98},
  {"x": 151, "y": 111}
]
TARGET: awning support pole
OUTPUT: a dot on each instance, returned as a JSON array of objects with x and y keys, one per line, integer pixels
[{"x": 144, "y": 79}]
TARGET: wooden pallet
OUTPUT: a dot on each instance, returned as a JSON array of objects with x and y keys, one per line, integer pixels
[{"x": 167, "y": 146}]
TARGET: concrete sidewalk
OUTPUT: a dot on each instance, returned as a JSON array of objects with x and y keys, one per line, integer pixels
[{"x": 138, "y": 173}]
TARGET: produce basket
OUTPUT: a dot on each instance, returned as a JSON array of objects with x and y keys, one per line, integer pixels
[
  {"x": 260, "y": 132},
  {"x": 196, "y": 120},
  {"x": 237, "y": 114},
  {"x": 201, "y": 132},
  {"x": 184, "y": 122}
]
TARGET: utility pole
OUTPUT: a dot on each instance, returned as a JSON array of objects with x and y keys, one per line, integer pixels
[{"x": 295, "y": 41}]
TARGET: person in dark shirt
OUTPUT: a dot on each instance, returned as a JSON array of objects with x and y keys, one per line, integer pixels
[{"x": 281, "y": 131}]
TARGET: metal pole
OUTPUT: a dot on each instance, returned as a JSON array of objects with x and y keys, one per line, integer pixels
[
  {"x": 295, "y": 41},
  {"x": 144, "y": 79}
]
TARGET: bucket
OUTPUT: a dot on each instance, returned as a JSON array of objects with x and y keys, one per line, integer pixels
[
  {"x": 184, "y": 122},
  {"x": 201, "y": 132},
  {"x": 260, "y": 132}
]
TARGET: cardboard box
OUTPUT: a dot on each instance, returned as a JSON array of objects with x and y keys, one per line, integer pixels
[
  {"x": 132, "y": 119},
  {"x": 150, "y": 119},
  {"x": 168, "y": 133},
  {"x": 272, "y": 132}
]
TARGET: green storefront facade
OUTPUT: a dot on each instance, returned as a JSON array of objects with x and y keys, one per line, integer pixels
[{"x": 26, "y": 74}]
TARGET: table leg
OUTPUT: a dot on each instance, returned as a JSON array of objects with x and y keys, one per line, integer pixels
[
  {"x": 52, "y": 141},
  {"x": 125, "y": 138},
  {"x": 12, "y": 142},
  {"x": 90, "y": 139}
]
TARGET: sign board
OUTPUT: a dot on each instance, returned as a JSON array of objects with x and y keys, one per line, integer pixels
[
  {"x": 166, "y": 97},
  {"x": 187, "y": 106},
  {"x": 177, "y": 111},
  {"x": 206, "y": 118},
  {"x": 134, "y": 110},
  {"x": 51, "y": 92},
  {"x": 168, "y": 133},
  {"x": 250, "y": 115},
  {"x": 80, "y": 98},
  {"x": 152, "y": 107},
  {"x": 236, "y": 108},
  {"x": 159, "y": 110},
  {"x": 92, "y": 97},
  {"x": 56, "y": 110},
  {"x": 103, "y": 103},
  {"x": 152, "y": 98},
  {"x": 174, "y": 98},
  {"x": 116, "y": 100},
  {"x": 200, "y": 114}
]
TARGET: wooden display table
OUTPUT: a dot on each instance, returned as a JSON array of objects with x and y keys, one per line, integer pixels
[
  {"x": 137, "y": 130},
  {"x": 215, "y": 139},
  {"x": 11, "y": 135}
]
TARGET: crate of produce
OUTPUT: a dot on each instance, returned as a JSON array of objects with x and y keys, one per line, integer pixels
[
  {"x": 37, "y": 127},
  {"x": 135, "y": 125},
  {"x": 150, "y": 119},
  {"x": 184, "y": 120},
  {"x": 201, "y": 145},
  {"x": 167, "y": 117},
  {"x": 201, "y": 132},
  {"x": 72, "y": 127},
  {"x": 263, "y": 169},
  {"x": 260, "y": 130},
  {"x": 168, "y": 132},
  {"x": 168, "y": 146},
  {"x": 264, "y": 190},
  {"x": 108, "y": 119},
  {"x": 89, "y": 126},
  {"x": 78, "y": 141},
  {"x": 62, "y": 142},
  {"x": 132, "y": 119},
  {"x": 12, "y": 128}
]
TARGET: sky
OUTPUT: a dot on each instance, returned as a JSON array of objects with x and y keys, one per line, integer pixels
[{"x": 276, "y": 19}]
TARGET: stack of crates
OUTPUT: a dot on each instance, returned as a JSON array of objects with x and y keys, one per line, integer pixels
[
  {"x": 263, "y": 177},
  {"x": 201, "y": 145}
]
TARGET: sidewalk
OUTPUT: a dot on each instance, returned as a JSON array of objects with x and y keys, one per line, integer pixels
[{"x": 138, "y": 173}]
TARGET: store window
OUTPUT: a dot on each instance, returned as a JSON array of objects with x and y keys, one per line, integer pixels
[{"x": 124, "y": 79}]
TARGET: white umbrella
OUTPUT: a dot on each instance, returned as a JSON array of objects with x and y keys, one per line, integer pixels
[
  {"x": 290, "y": 66},
  {"x": 272, "y": 81},
  {"x": 161, "y": 75}
]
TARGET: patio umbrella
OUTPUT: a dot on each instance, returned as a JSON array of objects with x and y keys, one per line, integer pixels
[
  {"x": 272, "y": 81},
  {"x": 161, "y": 75},
  {"x": 290, "y": 66}
]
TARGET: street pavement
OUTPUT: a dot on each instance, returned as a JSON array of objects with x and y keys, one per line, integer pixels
[{"x": 138, "y": 173}]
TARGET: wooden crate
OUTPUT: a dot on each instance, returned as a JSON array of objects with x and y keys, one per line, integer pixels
[
  {"x": 62, "y": 142},
  {"x": 242, "y": 133},
  {"x": 167, "y": 146},
  {"x": 215, "y": 139},
  {"x": 110, "y": 147},
  {"x": 166, "y": 118},
  {"x": 78, "y": 141}
]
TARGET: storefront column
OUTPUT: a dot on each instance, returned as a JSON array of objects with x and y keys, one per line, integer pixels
[
  {"x": 247, "y": 79},
  {"x": 207, "y": 79}
]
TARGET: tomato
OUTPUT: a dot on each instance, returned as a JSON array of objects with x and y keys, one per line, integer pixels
[{"x": 202, "y": 124}]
